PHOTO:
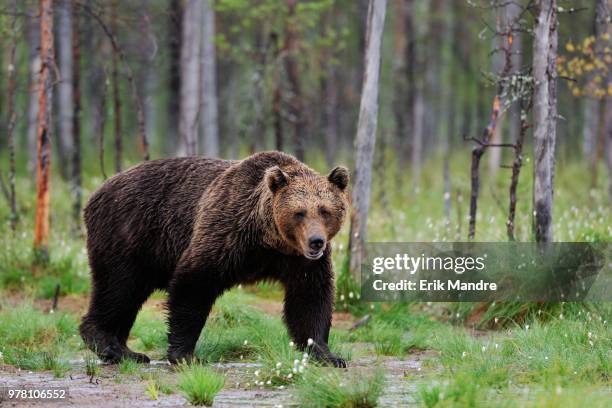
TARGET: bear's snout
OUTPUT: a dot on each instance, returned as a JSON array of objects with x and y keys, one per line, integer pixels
[{"x": 316, "y": 246}]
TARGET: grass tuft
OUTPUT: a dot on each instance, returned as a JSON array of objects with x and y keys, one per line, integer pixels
[
  {"x": 200, "y": 384},
  {"x": 324, "y": 387}
]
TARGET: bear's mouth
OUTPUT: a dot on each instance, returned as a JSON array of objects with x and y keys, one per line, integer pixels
[{"x": 314, "y": 255}]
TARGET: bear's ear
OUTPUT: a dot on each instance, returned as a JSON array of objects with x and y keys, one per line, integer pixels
[
  {"x": 275, "y": 178},
  {"x": 339, "y": 177}
]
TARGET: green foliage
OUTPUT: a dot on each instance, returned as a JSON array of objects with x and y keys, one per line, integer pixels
[
  {"x": 395, "y": 331},
  {"x": 325, "y": 387},
  {"x": 92, "y": 368},
  {"x": 200, "y": 384},
  {"x": 564, "y": 351},
  {"x": 33, "y": 340},
  {"x": 128, "y": 366},
  {"x": 149, "y": 331}
]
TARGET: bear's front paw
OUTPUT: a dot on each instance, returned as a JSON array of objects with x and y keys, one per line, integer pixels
[
  {"x": 337, "y": 362},
  {"x": 179, "y": 357},
  {"x": 330, "y": 359}
]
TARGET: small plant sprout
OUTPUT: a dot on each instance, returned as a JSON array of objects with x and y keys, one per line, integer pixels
[
  {"x": 91, "y": 367},
  {"x": 152, "y": 391}
]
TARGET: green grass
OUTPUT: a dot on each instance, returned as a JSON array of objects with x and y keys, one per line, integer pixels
[
  {"x": 92, "y": 368},
  {"x": 569, "y": 354},
  {"x": 552, "y": 363},
  {"x": 128, "y": 366},
  {"x": 395, "y": 331},
  {"x": 149, "y": 332},
  {"x": 200, "y": 384},
  {"x": 34, "y": 340},
  {"x": 324, "y": 387}
]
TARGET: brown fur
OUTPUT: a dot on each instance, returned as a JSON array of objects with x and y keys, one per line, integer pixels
[{"x": 196, "y": 227}]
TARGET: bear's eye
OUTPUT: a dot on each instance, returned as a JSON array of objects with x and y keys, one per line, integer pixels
[
  {"x": 324, "y": 212},
  {"x": 299, "y": 215}
]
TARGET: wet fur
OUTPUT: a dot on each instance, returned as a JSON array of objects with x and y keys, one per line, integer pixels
[{"x": 197, "y": 227}]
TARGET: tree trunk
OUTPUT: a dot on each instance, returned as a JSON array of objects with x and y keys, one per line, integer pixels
[
  {"x": 544, "y": 116},
  {"x": 296, "y": 114},
  {"x": 366, "y": 135},
  {"x": 497, "y": 65},
  {"x": 190, "y": 78},
  {"x": 591, "y": 104},
  {"x": 258, "y": 141},
  {"x": 45, "y": 95},
  {"x": 330, "y": 113},
  {"x": 418, "y": 104},
  {"x": 401, "y": 94},
  {"x": 175, "y": 30},
  {"x": 149, "y": 76},
  {"x": 64, "y": 91},
  {"x": 597, "y": 115},
  {"x": 11, "y": 116},
  {"x": 277, "y": 103},
  {"x": 607, "y": 119},
  {"x": 34, "y": 70},
  {"x": 432, "y": 52},
  {"x": 77, "y": 191},
  {"x": 329, "y": 94},
  {"x": 209, "y": 112},
  {"x": 608, "y": 136},
  {"x": 116, "y": 95}
]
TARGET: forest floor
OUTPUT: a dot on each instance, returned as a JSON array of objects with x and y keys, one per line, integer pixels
[
  {"x": 424, "y": 363},
  {"x": 479, "y": 355},
  {"x": 114, "y": 386}
]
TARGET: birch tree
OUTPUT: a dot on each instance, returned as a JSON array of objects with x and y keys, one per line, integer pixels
[
  {"x": 43, "y": 165},
  {"x": 64, "y": 89},
  {"x": 116, "y": 96},
  {"x": 33, "y": 28},
  {"x": 366, "y": 134},
  {"x": 544, "y": 116},
  {"x": 209, "y": 112},
  {"x": 296, "y": 114},
  {"x": 12, "y": 116},
  {"x": 77, "y": 191},
  {"x": 190, "y": 78},
  {"x": 175, "y": 29}
]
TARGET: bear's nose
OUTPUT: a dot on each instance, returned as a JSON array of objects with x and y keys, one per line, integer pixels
[{"x": 316, "y": 242}]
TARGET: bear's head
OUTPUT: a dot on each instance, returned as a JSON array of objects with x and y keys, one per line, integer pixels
[{"x": 308, "y": 209}]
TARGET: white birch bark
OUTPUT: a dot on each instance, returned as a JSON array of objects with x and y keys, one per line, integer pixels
[
  {"x": 190, "y": 78},
  {"x": 544, "y": 117},
  {"x": 34, "y": 70},
  {"x": 64, "y": 92},
  {"x": 366, "y": 134},
  {"x": 209, "y": 113}
]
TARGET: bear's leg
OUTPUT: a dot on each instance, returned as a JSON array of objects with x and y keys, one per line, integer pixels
[
  {"x": 190, "y": 298},
  {"x": 112, "y": 311},
  {"x": 308, "y": 310}
]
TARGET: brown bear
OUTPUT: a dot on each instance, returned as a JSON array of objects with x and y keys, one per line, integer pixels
[{"x": 197, "y": 227}]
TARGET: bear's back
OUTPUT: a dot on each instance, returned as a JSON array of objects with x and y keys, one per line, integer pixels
[{"x": 146, "y": 213}]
